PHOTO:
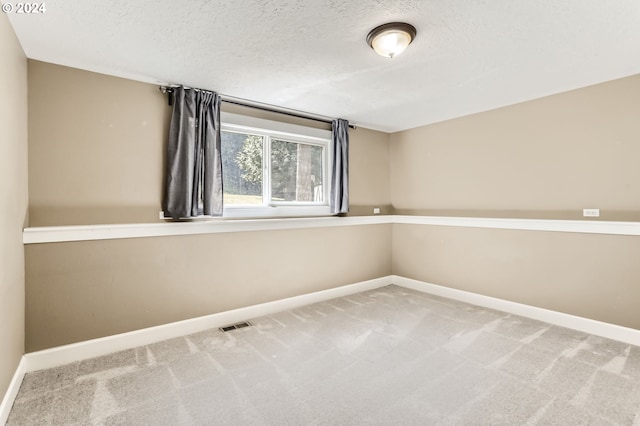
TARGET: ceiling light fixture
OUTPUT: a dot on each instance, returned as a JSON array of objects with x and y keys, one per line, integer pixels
[{"x": 391, "y": 39}]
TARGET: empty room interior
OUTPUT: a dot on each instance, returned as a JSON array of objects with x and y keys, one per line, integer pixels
[{"x": 260, "y": 212}]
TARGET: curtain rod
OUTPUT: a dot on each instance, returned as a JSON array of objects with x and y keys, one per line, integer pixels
[{"x": 227, "y": 99}]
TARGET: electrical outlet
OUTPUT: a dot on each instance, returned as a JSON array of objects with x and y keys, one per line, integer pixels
[
  {"x": 376, "y": 210},
  {"x": 590, "y": 212}
]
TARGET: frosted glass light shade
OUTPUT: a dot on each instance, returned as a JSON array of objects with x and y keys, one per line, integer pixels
[{"x": 391, "y": 39}]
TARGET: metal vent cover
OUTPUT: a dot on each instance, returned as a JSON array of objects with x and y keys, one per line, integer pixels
[{"x": 242, "y": 324}]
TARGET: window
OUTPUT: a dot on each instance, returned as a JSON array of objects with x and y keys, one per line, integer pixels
[{"x": 274, "y": 169}]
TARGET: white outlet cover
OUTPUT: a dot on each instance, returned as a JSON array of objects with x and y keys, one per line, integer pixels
[{"x": 591, "y": 212}]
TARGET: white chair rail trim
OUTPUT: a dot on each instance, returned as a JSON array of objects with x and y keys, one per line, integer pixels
[{"x": 53, "y": 234}]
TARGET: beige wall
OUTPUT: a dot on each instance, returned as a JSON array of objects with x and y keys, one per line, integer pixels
[
  {"x": 547, "y": 158},
  {"x": 82, "y": 290},
  {"x": 589, "y": 275},
  {"x": 368, "y": 172},
  {"x": 95, "y": 147},
  {"x": 13, "y": 200},
  {"x": 96, "y": 150}
]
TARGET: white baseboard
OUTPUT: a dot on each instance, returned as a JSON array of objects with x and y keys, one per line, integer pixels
[
  {"x": 12, "y": 391},
  {"x": 586, "y": 325},
  {"x": 61, "y": 355}
]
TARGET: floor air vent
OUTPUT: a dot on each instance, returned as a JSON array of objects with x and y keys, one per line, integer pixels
[{"x": 242, "y": 324}]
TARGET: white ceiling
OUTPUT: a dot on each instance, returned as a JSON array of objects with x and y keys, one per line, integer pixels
[{"x": 311, "y": 55}]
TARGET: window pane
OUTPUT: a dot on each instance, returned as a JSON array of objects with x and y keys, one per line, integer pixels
[
  {"x": 242, "y": 168},
  {"x": 296, "y": 172}
]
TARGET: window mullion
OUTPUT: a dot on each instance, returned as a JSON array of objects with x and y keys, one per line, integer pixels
[
  {"x": 266, "y": 170},
  {"x": 327, "y": 171}
]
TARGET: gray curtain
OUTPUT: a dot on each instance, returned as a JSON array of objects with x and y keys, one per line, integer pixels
[
  {"x": 193, "y": 185},
  {"x": 340, "y": 167}
]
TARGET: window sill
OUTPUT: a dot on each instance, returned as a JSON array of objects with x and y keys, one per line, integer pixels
[
  {"x": 261, "y": 212},
  {"x": 275, "y": 211}
]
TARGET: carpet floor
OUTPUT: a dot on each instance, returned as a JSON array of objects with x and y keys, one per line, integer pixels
[{"x": 389, "y": 356}]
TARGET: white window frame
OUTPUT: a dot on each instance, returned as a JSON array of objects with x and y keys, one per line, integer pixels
[{"x": 288, "y": 133}]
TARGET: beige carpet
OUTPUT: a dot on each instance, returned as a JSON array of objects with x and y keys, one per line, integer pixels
[{"x": 389, "y": 356}]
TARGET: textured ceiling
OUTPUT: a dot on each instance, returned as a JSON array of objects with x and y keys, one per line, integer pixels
[{"x": 311, "y": 55}]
